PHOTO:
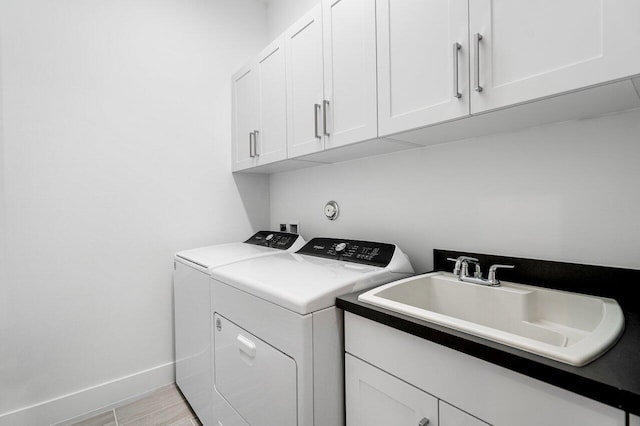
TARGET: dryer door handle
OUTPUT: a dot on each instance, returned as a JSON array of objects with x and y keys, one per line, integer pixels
[{"x": 246, "y": 346}]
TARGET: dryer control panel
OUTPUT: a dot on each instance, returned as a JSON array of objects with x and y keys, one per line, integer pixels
[
  {"x": 277, "y": 240},
  {"x": 356, "y": 251}
]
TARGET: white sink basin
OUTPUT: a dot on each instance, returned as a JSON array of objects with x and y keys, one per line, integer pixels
[{"x": 567, "y": 327}]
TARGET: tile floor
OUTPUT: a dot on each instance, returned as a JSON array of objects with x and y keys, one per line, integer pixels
[{"x": 164, "y": 406}]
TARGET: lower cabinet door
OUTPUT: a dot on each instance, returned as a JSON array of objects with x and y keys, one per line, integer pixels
[
  {"x": 376, "y": 398},
  {"x": 451, "y": 416}
]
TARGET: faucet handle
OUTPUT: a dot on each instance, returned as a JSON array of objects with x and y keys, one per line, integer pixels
[
  {"x": 492, "y": 273},
  {"x": 461, "y": 263},
  {"x": 456, "y": 269}
]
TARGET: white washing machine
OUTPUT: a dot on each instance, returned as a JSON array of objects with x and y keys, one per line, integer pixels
[
  {"x": 192, "y": 309},
  {"x": 278, "y": 340}
]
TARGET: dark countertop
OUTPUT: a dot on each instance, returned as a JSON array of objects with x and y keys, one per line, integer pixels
[{"x": 613, "y": 379}]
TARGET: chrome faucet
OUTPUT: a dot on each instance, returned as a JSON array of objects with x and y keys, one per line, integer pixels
[
  {"x": 461, "y": 269},
  {"x": 462, "y": 265}
]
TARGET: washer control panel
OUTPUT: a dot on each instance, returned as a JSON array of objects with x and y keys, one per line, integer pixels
[
  {"x": 356, "y": 251},
  {"x": 278, "y": 240}
]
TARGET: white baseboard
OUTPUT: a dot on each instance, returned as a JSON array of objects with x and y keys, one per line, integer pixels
[{"x": 92, "y": 400}]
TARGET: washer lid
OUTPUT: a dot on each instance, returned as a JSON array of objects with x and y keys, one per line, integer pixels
[
  {"x": 207, "y": 258},
  {"x": 303, "y": 283}
]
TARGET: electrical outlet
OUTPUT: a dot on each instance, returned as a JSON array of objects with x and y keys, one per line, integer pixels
[{"x": 283, "y": 227}]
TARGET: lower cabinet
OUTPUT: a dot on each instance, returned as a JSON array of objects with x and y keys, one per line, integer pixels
[
  {"x": 394, "y": 378},
  {"x": 376, "y": 398},
  {"x": 451, "y": 416},
  {"x": 634, "y": 420}
]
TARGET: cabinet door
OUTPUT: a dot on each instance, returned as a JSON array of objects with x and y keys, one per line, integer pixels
[
  {"x": 533, "y": 49},
  {"x": 271, "y": 139},
  {"x": 634, "y": 420},
  {"x": 422, "y": 77},
  {"x": 350, "y": 105},
  {"x": 305, "y": 85},
  {"x": 375, "y": 398},
  {"x": 244, "y": 117},
  {"x": 451, "y": 416}
]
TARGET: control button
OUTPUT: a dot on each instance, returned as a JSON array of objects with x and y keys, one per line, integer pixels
[{"x": 340, "y": 247}]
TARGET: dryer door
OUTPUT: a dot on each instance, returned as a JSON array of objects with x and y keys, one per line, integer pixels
[{"x": 257, "y": 380}]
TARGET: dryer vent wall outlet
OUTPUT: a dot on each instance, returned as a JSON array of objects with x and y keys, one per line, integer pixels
[
  {"x": 331, "y": 210},
  {"x": 293, "y": 228}
]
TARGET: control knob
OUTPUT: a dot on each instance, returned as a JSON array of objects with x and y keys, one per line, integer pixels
[
  {"x": 268, "y": 239},
  {"x": 340, "y": 248}
]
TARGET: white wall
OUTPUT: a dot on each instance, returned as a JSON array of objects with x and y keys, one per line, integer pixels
[
  {"x": 115, "y": 153},
  {"x": 283, "y": 13},
  {"x": 565, "y": 192}
]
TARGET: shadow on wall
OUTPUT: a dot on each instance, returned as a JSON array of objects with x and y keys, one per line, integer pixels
[{"x": 254, "y": 193}]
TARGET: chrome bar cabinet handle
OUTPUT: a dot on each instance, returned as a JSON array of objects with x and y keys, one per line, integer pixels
[
  {"x": 316, "y": 110},
  {"x": 325, "y": 107},
  {"x": 456, "y": 49},
  {"x": 252, "y": 145},
  {"x": 476, "y": 65},
  {"x": 255, "y": 143}
]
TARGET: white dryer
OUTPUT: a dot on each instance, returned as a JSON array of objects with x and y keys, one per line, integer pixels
[
  {"x": 278, "y": 338},
  {"x": 192, "y": 309}
]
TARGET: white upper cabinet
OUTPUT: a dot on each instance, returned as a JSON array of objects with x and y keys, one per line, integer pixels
[
  {"x": 423, "y": 66},
  {"x": 245, "y": 118},
  {"x": 331, "y": 77},
  {"x": 350, "y": 103},
  {"x": 305, "y": 89},
  {"x": 532, "y": 49},
  {"x": 259, "y": 110},
  {"x": 399, "y": 73},
  {"x": 271, "y": 140}
]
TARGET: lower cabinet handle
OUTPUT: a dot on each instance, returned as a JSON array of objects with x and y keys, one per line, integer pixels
[
  {"x": 325, "y": 107},
  {"x": 316, "y": 110},
  {"x": 252, "y": 144},
  {"x": 423, "y": 422},
  {"x": 456, "y": 49},
  {"x": 476, "y": 41}
]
